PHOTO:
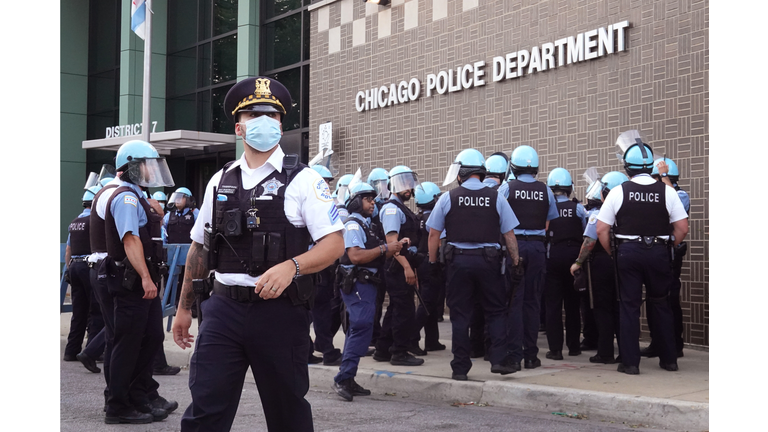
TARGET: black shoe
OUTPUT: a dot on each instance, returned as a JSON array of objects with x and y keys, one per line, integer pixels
[
  {"x": 343, "y": 390},
  {"x": 597, "y": 358},
  {"x": 131, "y": 417},
  {"x": 476, "y": 353},
  {"x": 672, "y": 367},
  {"x": 70, "y": 357},
  {"x": 357, "y": 389},
  {"x": 158, "y": 414},
  {"x": 618, "y": 358},
  {"x": 587, "y": 345},
  {"x": 381, "y": 356},
  {"x": 405, "y": 359},
  {"x": 313, "y": 359},
  {"x": 459, "y": 377},
  {"x": 370, "y": 352},
  {"x": 649, "y": 352},
  {"x": 440, "y": 318},
  {"x": 532, "y": 364},
  {"x": 331, "y": 360},
  {"x": 88, "y": 362},
  {"x": 434, "y": 347},
  {"x": 574, "y": 353},
  {"x": 629, "y": 370},
  {"x": 503, "y": 368},
  {"x": 554, "y": 355},
  {"x": 542, "y": 328},
  {"x": 162, "y": 403},
  {"x": 518, "y": 366},
  {"x": 415, "y": 350},
  {"x": 167, "y": 370},
  {"x": 100, "y": 359}
]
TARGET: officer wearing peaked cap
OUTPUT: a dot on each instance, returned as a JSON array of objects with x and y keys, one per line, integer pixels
[
  {"x": 474, "y": 258},
  {"x": 258, "y": 315},
  {"x": 648, "y": 218}
]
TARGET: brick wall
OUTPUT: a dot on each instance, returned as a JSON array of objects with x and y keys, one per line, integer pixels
[{"x": 571, "y": 115}]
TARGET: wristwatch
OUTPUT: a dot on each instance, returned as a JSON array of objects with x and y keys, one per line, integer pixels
[{"x": 664, "y": 174}]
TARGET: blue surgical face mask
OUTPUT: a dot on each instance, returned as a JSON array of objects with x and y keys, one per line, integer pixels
[{"x": 262, "y": 133}]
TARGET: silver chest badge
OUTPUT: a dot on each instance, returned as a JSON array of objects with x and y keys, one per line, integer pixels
[{"x": 272, "y": 186}]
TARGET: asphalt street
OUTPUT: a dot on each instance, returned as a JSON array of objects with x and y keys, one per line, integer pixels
[{"x": 82, "y": 402}]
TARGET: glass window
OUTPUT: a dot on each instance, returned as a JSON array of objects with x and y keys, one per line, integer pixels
[
  {"x": 204, "y": 111},
  {"x": 204, "y": 20},
  {"x": 219, "y": 121},
  {"x": 291, "y": 79},
  {"x": 224, "y": 16},
  {"x": 278, "y": 7},
  {"x": 181, "y": 113},
  {"x": 182, "y": 25},
  {"x": 224, "y": 59},
  {"x": 180, "y": 80},
  {"x": 104, "y": 40},
  {"x": 204, "y": 65},
  {"x": 283, "y": 42}
]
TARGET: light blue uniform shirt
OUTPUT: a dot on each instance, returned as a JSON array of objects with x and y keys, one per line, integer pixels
[
  {"x": 164, "y": 229},
  {"x": 354, "y": 236},
  {"x": 86, "y": 212},
  {"x": 591, "y": 229},
  {"x": 392, "y": 218},
  {"x": 490, "y": 182},
  {"x": 551, "y": 214},
  {"x": 685, "y": 199},
  {"x": 507, "y": 217},
  {"x": 128, "y": 213}
]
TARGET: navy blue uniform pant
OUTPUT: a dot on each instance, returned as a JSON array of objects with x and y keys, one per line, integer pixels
[
  {"x": 138, "y": 335},
  {"x": 104, "y": 298},
  {"x": 381, "y": 292},
  {"x": 470, "y": 277},
  {"x": 639, "y": 265},
  {"x": 326, "y": 317},
  {"x": 559, "y": 294},
  {"x": 271, "y": 337},
  {"x": 86, "y": 313},
  {"x": 361, "y": 306},
  {"x": 606, "y": 308},
  {"x": 399, "y": 325},
  {"x": 429, "y": 289},
  {"x": 523, "y": 317},
  {"x": 674, "y": 304}
]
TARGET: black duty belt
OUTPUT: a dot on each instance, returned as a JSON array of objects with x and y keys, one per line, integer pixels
[
  {"x": 656, "y": 240},
  {"x": 567, "y": 243},
  {"x": 478, "y": 252},
  {"x": 79, "y": 259},
  {"x": 92, "y": 264},
  {"x": 239, "y": 293},
  {"x": 537, "y": 238}
]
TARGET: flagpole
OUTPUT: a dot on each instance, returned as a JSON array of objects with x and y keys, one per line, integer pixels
[{"x": 146, "y": 96}]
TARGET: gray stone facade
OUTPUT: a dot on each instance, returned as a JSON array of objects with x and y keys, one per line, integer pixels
[{"x": 571, "y": 114}]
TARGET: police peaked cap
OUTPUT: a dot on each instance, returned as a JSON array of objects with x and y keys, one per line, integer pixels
[{"x": 257, "y": 94}]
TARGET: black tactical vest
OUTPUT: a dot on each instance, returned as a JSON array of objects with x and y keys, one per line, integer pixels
[
  {"x": 473, "y": 217},
  {"x": 376, "y": 221},
  {"x": 410, "y": 228},
  {"x": 98, "y": 237},
  {"x": 273, "y": 239},
  {"x": 566, "y": 227},
  {"x": 153, "y": 250},
  {"x": 423, "y": 246},
  {"x": 644, "y": 210},
  {"x": 530, "y": 202},
  {"x": 179, "y": 227},
  {"x": 79, "y": 242},
  {"x": 371, "y": 242}
]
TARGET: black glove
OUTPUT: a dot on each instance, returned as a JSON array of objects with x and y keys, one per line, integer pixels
[
  {"x": 66, "y": 277},
  {"x": 436, "y": 270},
  {"x": 518, "y": 272},
  {"x": 580, "y": 280}
]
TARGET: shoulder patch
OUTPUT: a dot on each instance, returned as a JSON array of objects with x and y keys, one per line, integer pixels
[
  {"x": 353, "y": 226},
  {"x": 131, "y": 200},
  {"x": 322, "y": 191},
  {"x": 593, "y": 219},
  {"x": 333, "y": 214},
  {"x": 390, "y": 211}
]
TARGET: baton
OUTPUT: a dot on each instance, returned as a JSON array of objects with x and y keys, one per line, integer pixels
[
  {"x": 589, "y": 284},
  {"x": 418, "y": 294}
]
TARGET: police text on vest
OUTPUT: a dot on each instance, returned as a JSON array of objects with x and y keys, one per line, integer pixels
[
  {"x": 644, "y": 197},
  {"x": 475, "y": 201}
]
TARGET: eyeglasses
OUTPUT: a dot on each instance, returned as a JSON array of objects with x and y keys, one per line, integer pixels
[{"x": 368, "y": 199}]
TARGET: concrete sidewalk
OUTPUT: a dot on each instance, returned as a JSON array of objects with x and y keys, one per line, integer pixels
[{"x": 656, "y": 398}]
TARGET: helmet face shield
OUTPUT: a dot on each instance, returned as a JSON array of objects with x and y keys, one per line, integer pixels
[
  {"x": 453, "y": 172},
  {"x": 595, "y": 191},
  {"x": 107, "y": 171},
  {"x": 179, "y": 200},
  {"x": 403, "y": 181},
  {"x": 93, "y": 180},
  {"x": 380, "y": 186},
  {"x": 150, "y": 172}
]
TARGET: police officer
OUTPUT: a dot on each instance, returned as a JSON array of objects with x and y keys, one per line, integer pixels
[
  {"x": 365, "y": 253},
  {"x": 430, "y": 287},
  {"x": 564, "y": 240},
  {"x": 180, "y": 218},
  {"x": 132, "y": 274},
  {"x": 341, "y": 187},
  {"x": 665, "y": 170},
  {"x": 534, "y": 204},
  {"x": 268, "y": 209},
  {"x": 86, "y": 313},
  {"x": 378, "y": 178},
  {"x": 647, "y": 217},
  {"x": 601, "y": 271},
  {"x": 161, "y": 198},
  {"x": 497, "y": 168},
  {"x": 474, "y": 216},
  {"x": 399, "y": 222},
  {"x": 326, "y": 313}
]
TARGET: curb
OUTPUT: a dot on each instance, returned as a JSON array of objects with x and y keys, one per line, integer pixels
[{"x": 600, "y": 406}]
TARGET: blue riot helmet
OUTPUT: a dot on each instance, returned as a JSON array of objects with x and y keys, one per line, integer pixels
[
  {"x": 467, "y": 162},
  {"x": 613, "y": 179},
  {"x": 378, "y": 179},
  {"x": 104, "y": 181},
  {"x": 181, "y": 198},
  {"x": 559, "y": 180},
  {"x": 341, "y": 187},
  {"x": 355, "y": 196},
  {"x": 497, "y": 165},
  {"x": 525, "y": 160},
  {"x": 159, "y": 196},
  {"x": 142, "y": 165},
  {"x": 324, "y": 172},
  {"x": 594, "y": 193},
  {"x": 427, "y": 194},
  {"x": 673, "y": 173},
  {"x": 89, "y": 194},
  {"x": 402, "y": 179},
  {"x": 636, "y": 154}
]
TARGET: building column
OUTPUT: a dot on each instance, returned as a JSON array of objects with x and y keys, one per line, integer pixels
[{"x": 248, "y": 37}]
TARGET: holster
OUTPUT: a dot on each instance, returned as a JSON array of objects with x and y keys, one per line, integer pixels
[
  {"x": 302, "y": 291},
  {"x": 516, "y": 276},
  {"x": 679, "y": 253},
  {"x": 202, "y": 290},
  {"x": 348, "y": 279},
  {"x": 449, "y": 248},
  {"x": 369, "y": 277}
]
